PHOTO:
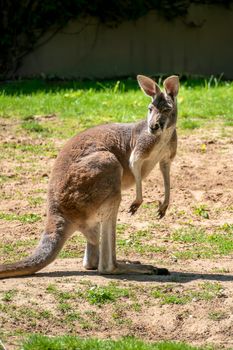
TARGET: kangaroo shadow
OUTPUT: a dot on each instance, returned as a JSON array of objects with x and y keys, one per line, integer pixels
[{"x": 175, "y": 276}]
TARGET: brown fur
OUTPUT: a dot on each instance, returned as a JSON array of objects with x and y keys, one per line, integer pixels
[{"x": 87, "y": 179}]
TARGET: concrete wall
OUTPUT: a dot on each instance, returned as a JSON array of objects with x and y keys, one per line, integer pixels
[{"x": 201, "y": 43}]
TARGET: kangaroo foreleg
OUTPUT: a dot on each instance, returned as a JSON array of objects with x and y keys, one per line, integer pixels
[
  {"x": 165, "y": 169},
  {"x": 136, "y": 170}
]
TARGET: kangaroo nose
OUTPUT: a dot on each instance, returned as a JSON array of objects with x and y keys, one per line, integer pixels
[{"x": 154, "y": 127}]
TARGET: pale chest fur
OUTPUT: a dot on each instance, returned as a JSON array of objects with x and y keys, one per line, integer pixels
[{"x": 160, "y": 151}]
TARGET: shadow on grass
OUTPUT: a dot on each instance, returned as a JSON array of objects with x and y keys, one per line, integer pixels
[
  {"x": 175, "y": 276},
  {"x": 27, "y": 87},
  {"x": 32, "y": 86}
]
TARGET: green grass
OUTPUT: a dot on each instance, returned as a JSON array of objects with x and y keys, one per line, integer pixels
[
  {"x": 170, "y": 294},
  {"x": 202, "y": 244},
  {"x": 202, "y": 211},
  {"x": 39, "y": 342},
  {"x": 102, "y": 295},
  {"x": 25, "y": 155},
  {"x": 122, "y": 228},
  {"x": 29, "y": 148},
  {"x": 16, "y": 250},
  {"x": 95, "y": 295},
  {"x": 35, "y": 201},
  {"x": 189, "y": 123},
  {"x": 136, "y": 242},
  {"x": 217, "y": 315},
  {"x": 9, "y": 295},
  {"x": 25, "y": 218},
  {"x": 5, "y": 178},
  {"x": 79, "y": 105},
  {"x": 68, "y": 312},
  {"x": 74, "y": 248},
  {"x": 34, "y": 126},
  {"x": 113, "y": 304},
  {"x": 26, "y": 314},
  {"x": 28, "y": 107}
]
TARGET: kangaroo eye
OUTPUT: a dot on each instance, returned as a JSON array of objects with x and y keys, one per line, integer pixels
[
  {"x": 166, "y": 110},
  {"x": 150, "y": 109}
]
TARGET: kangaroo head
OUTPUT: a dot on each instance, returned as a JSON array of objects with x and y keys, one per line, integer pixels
[{"x": 162, "y": 111}]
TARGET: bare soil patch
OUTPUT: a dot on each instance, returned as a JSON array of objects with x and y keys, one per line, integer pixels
[{"x": 200, "y": 287}]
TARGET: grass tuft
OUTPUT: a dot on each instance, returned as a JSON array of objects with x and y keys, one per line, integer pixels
[
  {"x": 33, "y": 126},
  {"x": 202, "y": 244},
  {"x": 176, "y": 295},
  {"x": 39, "y": 342},
  {"x": 102, "y": 295},
  {"x": 25, "y": 218},
  {"x": 202, "y": 211},
  {"x": 189, "y": 124},
  {"x": 9, "y": 295}
]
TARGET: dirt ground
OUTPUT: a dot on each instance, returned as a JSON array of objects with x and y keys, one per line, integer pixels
[{"x": 202, "y": 177}]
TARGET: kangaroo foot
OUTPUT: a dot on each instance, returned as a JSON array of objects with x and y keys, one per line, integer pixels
[
  {"x": 126, "y": 261},
  {"x": 122, "y": 268},
  {"x": 161, "y": 210},
  {"x": 90, "y": 267},
  {"x": 134, "y": 207}
]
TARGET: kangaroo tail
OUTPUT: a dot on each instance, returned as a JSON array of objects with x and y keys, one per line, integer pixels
[{"x": 47, "y": 250}]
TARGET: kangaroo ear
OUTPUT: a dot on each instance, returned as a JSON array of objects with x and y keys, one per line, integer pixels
[
  {"x": 148, "y": 86},
  {"x": 171, "y": 85}
]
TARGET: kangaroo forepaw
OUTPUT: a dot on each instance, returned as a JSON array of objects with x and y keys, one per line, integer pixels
[
  {"x": 161, "y": 210},
  {"x": 134, "y": 207}
]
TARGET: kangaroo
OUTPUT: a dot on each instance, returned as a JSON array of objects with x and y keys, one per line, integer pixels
[{"x": 87, "y": 179}]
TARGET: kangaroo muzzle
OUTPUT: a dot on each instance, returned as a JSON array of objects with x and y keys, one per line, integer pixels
[{"x": 155, "y": 127}]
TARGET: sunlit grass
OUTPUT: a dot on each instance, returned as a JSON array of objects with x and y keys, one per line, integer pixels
[
  {"x": 79, "y": 105},
  {"x": 196, "y": 242},
  {"x": 170, "y": 294},
  {"x": 25, "y": 218},
  {"x": 38, "y": 342}
]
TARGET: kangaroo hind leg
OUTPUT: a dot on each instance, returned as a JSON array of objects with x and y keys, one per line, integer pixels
[
  {"x": 91, "y": 256},
  {"x": 107, "y": 259}
]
